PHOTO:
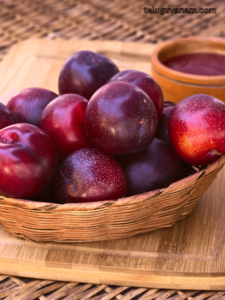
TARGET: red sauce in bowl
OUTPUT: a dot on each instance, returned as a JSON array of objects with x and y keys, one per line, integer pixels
[{"x": 206, "y": 64}]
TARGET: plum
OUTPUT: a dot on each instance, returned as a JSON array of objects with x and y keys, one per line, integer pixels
[
  {"x": 162, "y": 129},
  {"x": 120, "y": 119},
  {"x": 196, "y": 129},
  {"x": 84, "y": 72},
  {"x": 63, "y": 121},
  {"x": 28, "y": 161},
  {"x": 28, "y": 104},
  {"x": 89, "y": 175},
  {"x": 7, "y": 117},
  {"x": 146, "y": 83},
  {"x": 154, "y": 168}
]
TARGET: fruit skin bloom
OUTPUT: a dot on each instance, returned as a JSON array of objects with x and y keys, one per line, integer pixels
[
  {"x": 84, "y": 72},
  {"x": 28, "y": 161},
  {"x": 28, "y": 104},
  {"x": 89, "y": 175},
  {"x": 144, "y": 82},
  {"x": 63, "y": 120},
  {"x": 196, "y": 128},
  {"x": 7, "y": 117},
  {"x": 120, "y": 119},
  {"x": 154, "y": 168}
]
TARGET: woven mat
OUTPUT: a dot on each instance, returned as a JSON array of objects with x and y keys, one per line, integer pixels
[
  {"x": 122, "y": 20},
  {"x": 14, "y": 288}
]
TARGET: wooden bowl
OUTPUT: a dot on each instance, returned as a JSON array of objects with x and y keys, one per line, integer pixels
[
  {"x": 107, "y": 220},
  {"x": 175, "y": 85}
]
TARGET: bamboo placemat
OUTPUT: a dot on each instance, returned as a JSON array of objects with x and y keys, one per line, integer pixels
[
  {"x": 122, "y": 20},
  {"x": 15, "y": 288}
]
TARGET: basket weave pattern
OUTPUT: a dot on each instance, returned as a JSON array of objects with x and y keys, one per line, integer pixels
[
  {"x": 106, "y": 20},
  {"x": 106, "y": 220},
  {"x": 23, "y": 288}
]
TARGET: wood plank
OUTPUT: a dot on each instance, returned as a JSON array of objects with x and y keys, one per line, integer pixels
[
  {"x": 32, "y": 63},
  {"x": 189, "y": 255}
]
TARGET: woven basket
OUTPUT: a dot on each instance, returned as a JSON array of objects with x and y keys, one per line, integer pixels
[{"x": 106, "y": 220}]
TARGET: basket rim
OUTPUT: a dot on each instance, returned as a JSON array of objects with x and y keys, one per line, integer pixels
[{"x": 91, "y": 206}]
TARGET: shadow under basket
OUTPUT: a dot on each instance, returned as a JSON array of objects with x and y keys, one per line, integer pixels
[{"x": 107, "y": 220}]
